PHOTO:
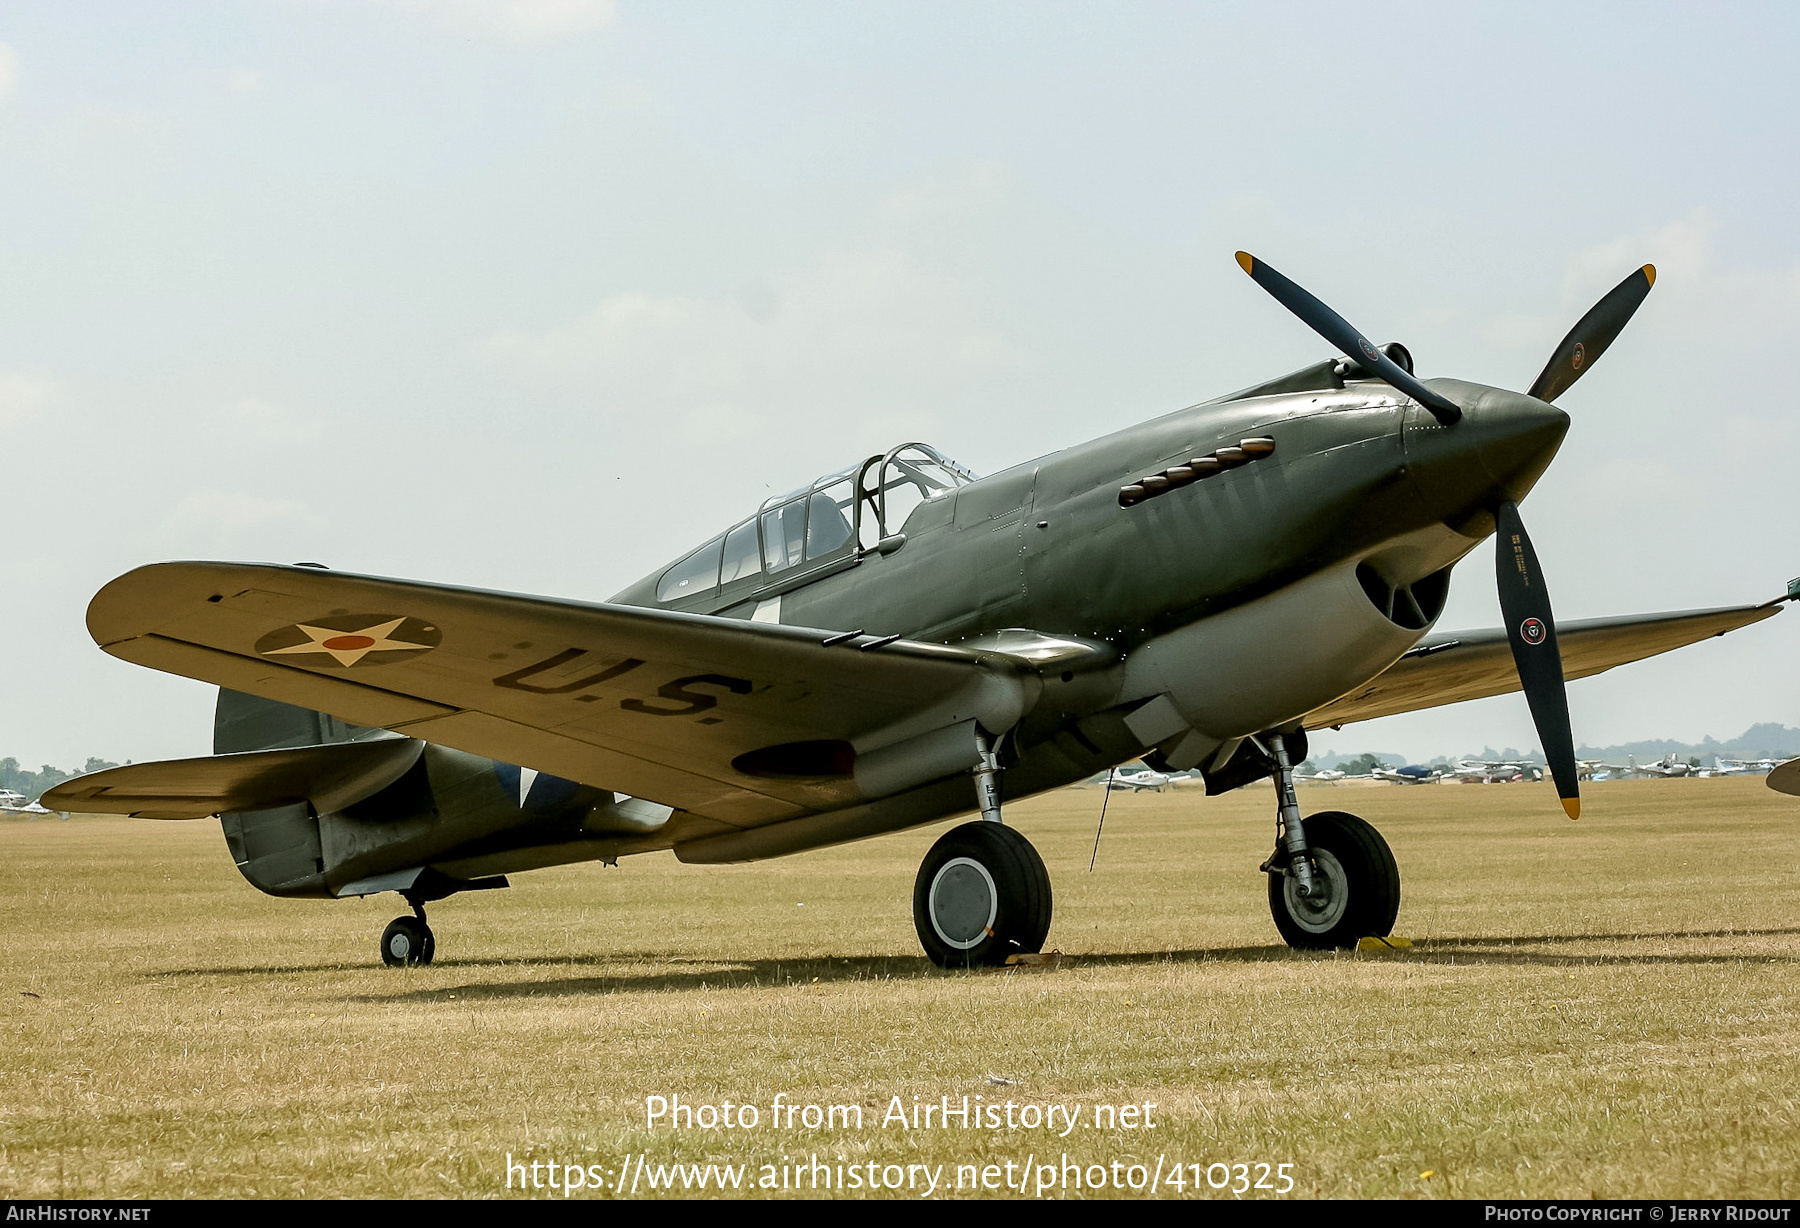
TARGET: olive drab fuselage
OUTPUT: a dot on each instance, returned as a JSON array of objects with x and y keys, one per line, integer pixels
[{"x": 1357, "y": 475}]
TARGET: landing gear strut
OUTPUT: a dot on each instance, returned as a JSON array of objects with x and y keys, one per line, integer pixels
[
  {"x": 408, "y": 941},
  {"x": 982, "y": 893},
  {"x": 1332, "y": 879}
]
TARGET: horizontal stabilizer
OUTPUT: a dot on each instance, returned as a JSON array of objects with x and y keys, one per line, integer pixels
[{"x": 329, "y": 777}]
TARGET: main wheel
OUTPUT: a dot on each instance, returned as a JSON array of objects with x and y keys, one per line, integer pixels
[
  {"x": 982, "y": 894},
  {"x": 1356, "y": 886},
  {"x": 407, "y": 941}
]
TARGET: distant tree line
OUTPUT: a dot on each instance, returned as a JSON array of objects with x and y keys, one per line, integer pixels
[{"x": 33, "y": 784}]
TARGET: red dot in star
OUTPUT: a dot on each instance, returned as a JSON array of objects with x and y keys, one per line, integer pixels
[{"x": 344, "y": 643}]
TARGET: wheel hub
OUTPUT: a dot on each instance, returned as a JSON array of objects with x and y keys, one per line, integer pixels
[
  {"x": 1323, "y": 908},
  {"x": 964, "y": 902}
]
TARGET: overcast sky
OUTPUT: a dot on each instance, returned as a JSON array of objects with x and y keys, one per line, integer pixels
[{"x": 536, "y": 296}]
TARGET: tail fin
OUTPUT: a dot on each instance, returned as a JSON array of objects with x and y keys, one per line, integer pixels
[{"x": 249, "y": 722}]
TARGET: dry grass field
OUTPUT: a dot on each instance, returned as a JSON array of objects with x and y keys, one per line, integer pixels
[{"x": 1604, "y": 1008}]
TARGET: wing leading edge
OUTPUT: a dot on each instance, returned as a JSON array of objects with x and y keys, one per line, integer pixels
[{"x": 1449, "y": 668}]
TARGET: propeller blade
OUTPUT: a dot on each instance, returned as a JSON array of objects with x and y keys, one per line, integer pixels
[
  {"x": 1352, "y": 344},
  {"x": 1591, "y": 335},
  {"x": 1530, "y": 629}
]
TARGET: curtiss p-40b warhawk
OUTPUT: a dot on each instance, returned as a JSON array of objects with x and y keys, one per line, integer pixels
[{"x": 902, "y": 642}]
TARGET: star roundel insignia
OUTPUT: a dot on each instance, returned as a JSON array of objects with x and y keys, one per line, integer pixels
[
  {"x": 345, "y": 641},
  {"x": 1532, "y": 631}
]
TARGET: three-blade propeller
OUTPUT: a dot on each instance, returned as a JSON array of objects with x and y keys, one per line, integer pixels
[{"x": 1524, "y": 601}]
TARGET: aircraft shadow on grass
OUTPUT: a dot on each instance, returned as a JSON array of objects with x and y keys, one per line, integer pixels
[{"x": 695, "y": 974}]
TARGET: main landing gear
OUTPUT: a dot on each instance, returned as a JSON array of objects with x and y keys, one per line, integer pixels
[
  {"x": 408, "y": 941},
  {"x": 1332, "y": 879},
  {"x": 982, "y": 893}
]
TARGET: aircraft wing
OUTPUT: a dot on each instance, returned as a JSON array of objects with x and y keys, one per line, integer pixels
[
  {"x": 1449, "y": 668},
  {"x": 741, "y": 722}
]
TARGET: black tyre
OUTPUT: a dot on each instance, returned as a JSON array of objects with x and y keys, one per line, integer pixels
[
  {"x": 407, "y": 942},
  {"x": 1357, "y": 884},
  {"x": 982, "y": 894}
]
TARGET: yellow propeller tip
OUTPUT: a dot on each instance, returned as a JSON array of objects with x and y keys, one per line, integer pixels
[
  {"x": 1572, "y": 807},
  {"x": 1650, "y": 273},
  {"x": 1247, "y": 261}
]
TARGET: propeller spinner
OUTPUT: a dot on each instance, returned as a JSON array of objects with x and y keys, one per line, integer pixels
[{"x": 1524, "y": 601}]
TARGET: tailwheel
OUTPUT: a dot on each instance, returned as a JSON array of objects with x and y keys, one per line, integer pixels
[
  {"x": 1355, "y": 886},
  {"x": 407, "y": 942},
  {"x": 982, "y": 894}
]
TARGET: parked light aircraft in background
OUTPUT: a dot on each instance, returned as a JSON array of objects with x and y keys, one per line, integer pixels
[
  {"x": 1140, "y": 781},
  {"x": 1410, "y": 774},
  {"x": 1744, "y": 767},
  {"x": 898, "y": 643},
  {"x": 12, "y": 802},
  {"x": 1488, "y": 772},
  {"x": 1668, "y": 767},
  {"x": 1323, "y": 776}
]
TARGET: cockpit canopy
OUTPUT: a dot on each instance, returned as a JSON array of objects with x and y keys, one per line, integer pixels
[{"x": 823, "y": 522}]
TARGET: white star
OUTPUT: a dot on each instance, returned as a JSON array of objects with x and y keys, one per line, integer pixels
[{"x": 349, "y": 647}]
